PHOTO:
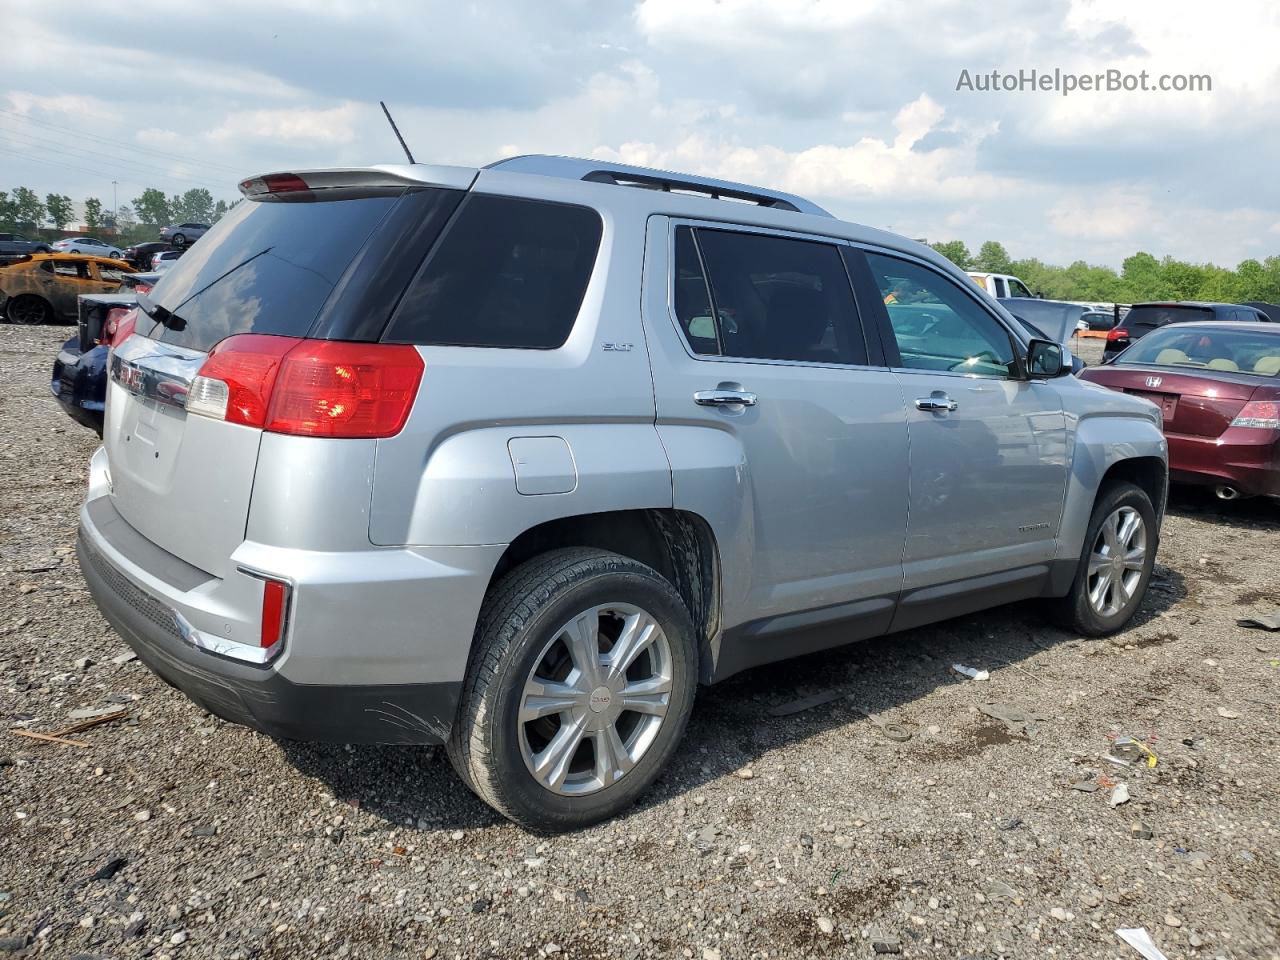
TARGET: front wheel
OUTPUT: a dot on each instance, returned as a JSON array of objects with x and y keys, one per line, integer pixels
[
  {"x": 1115, "y": 568},
  {"x": 179, "y": 240},
  {"x": 580, "y": 686}
]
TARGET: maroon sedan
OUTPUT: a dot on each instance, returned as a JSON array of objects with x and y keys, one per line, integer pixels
[{"x": 1219, "y": 387}]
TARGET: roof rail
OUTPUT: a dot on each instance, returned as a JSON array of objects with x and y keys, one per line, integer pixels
[{"x": 599, "y": 171}]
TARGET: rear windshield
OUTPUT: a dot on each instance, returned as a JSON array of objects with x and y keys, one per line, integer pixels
[
  {"x": 268, "y": 266},
  {"x": 1207, "y": 348},
  {"x": 1149, "y": 318}
]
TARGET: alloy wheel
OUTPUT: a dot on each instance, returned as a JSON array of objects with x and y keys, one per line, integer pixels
[
  {"x": 596, "y": 698},
  {"x": 1116, "y": 561},
  {"x": 27, "y": 311}
]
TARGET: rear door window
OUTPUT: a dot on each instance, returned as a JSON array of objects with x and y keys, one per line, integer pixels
[
  {"x": 774, "y": 298},
  {"x": 268, "y": 267},
  {"x": 508, "y": 272}
]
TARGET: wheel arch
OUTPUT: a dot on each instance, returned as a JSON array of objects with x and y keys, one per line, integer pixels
[
  {"x": 679, "y": 544},
  {"x": 1108, "y": 449}
]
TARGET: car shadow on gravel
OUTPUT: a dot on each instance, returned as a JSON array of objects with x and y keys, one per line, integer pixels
[{"x": 732, "y": 725}]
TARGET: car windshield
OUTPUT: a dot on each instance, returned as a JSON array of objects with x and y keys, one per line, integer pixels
[{"x": 1207, "y": 348}]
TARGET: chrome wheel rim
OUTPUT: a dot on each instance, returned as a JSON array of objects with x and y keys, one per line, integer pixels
[
  {"x": 595, "y": 700},
  {"x": 1116, "y": 561}
]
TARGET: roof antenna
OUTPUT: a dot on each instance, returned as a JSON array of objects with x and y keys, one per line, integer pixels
[{"x": 403, "y": 146}]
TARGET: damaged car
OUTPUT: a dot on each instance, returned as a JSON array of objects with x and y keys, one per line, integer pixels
[{"x": 43, "y": 287}]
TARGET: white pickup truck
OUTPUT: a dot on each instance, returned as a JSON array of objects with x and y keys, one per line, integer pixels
[{"x": 1001, "y": 285}]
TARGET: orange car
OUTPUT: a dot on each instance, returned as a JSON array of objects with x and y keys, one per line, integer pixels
[{"x": 42, "y": 287}]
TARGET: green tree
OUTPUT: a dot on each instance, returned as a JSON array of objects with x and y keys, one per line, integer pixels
[
  {"x": 955, "y": 251},
  {"x": 219, "y": 210},
  {"x": 93, "y": 213},
  {"x": 28, "y": 211},
  {"x": 153, "y": 208},
  {"x": 194, "y": 206},
  {"x": 59, "y": 210},
  {"x": 992, "y": 258},
  {"x": 8, "y": 210}
]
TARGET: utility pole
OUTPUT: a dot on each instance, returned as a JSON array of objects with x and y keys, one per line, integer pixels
[{"x": 115, "y": 208}]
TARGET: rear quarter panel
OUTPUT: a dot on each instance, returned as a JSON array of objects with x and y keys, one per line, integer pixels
[{"x": 449, "y": 478}]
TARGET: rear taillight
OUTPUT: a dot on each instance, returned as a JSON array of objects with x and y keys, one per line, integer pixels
[
  {"x": 1117, "y": 333},
  {"x": 119, "y": 326},
  {"x": 142, "y": 288},
  {"x": 315, "y": 388},
  {"x": 1260, "y": 414},
  {"x": 275, "y": 613}
]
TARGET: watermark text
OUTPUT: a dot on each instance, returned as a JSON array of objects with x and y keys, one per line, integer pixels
[{"x": 1066, "y": 82}]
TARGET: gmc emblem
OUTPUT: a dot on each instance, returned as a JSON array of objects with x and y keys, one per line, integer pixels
[
  {"x": 129, "y": 376},
  {"x": 1154, "y": 382}
]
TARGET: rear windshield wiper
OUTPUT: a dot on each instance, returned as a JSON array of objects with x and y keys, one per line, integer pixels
[{"x": 166, "y": 318}]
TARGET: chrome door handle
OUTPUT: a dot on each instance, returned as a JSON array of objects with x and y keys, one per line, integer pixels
[
  {"x": 724, "y": 398},
  {"x": 936, "y": 403}
]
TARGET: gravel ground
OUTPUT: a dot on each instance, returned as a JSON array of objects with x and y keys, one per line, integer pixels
[{"x": 173, "y": 834}]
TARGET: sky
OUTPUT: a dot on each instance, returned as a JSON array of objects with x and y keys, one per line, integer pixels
[{"x": 851, "y": 103}]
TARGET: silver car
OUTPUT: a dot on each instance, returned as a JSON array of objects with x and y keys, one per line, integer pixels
[
  {"x": 512, "y": 459},
  {"x": 87, "y": 245},
  {"x": 181, "y": 234}
]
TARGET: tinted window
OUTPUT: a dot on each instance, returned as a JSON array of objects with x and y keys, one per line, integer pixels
[
  {"x": 1141, "y": 320},
  {"x": 937, "y": 325},
  {"x": 1000, "y": 288},
  {"x": 1018, "y": 289},
  {"x": 268, "y": 266},
  {"x": 780, "y": 299},
  {"x": 507, "y": 273},
  {"x": 692, "y": 300},
  {"x": 1209, "y": 348}
]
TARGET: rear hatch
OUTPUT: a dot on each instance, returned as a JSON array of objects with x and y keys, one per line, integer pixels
[{"x": 295, "y": 263}]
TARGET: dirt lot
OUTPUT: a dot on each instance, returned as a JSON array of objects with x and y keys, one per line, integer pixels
[{"x": 173, "y": 834}]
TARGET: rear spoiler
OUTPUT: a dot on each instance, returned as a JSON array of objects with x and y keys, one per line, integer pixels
[{"x": 396, "y": 175}]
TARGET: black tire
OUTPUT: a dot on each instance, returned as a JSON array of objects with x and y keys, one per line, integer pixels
[
  {"x": 523, "y": 613},
  {"x": 179, "y": 240},
  {"x": 29, "y": 310},
  {"x": 43, "y": 249},
  {"x": 1075, "y": 612}
]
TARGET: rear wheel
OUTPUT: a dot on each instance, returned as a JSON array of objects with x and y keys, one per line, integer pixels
[
  {"x": 580, "y": 686},
  {"x": 1115, "y": 568},
  {"x": 179, "y": 240},
  {"x": 29, "y": 310}
]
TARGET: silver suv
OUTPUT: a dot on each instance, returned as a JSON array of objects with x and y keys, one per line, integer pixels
[{"x": 512, "y": 459}]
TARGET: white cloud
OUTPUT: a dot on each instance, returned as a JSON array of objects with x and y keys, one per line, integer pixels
[{"x": 335, "y": 125}]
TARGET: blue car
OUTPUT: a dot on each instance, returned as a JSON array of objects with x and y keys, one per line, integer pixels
[
  {"x": 80, "y": 369},
  {"x": 79, "y": 379}
]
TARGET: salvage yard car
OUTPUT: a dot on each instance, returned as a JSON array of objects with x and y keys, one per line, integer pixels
[
  {"x": 91, "y": 246},
  {"x": 16, "y": 245},
  {"x": 1142, "y": 318},
  {"x": 42, "y": 287},
  {"x": 513, "y": 458},
  {"x": 1219, "y": 387}
]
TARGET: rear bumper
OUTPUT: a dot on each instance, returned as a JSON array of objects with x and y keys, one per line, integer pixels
[
  {"x": 1244, "y": 458},
  {"x": 418, "y": 713},
  {"x": 376, "y": 647},
  {"x": 79, "y": 382}
]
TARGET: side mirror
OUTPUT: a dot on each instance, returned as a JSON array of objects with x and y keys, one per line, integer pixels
[{"x": 1046, "y": 359}]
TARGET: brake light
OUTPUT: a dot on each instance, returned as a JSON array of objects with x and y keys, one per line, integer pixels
[
  {"x": 1261, "y": 414},
  {"x": 273, "y": 183},
  {"x": 315, "y": 388},
  {"x": 1117, "y": 333},
  {"x": 234, "y": 384},
  {"x": 142, "y": 288},
  {"x": 275, "y": 611},
  {"x": 118, "y": 326}
]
